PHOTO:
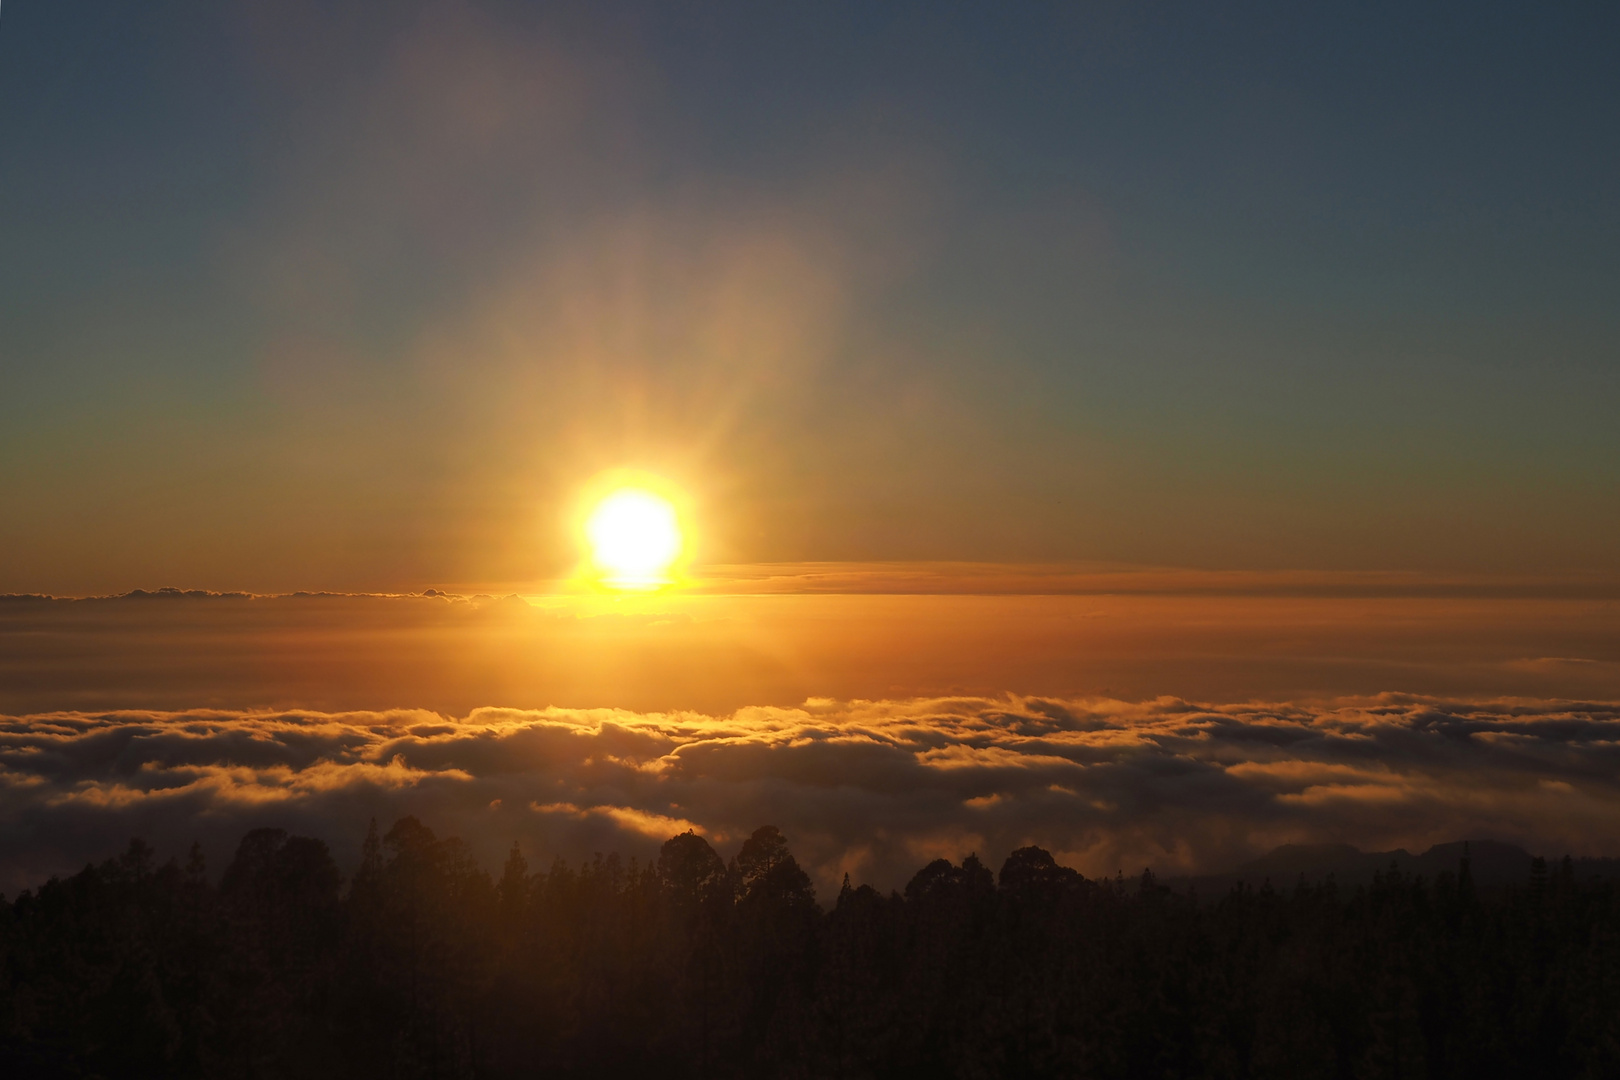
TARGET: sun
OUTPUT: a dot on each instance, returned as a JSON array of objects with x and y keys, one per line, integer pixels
[{"x": 635, "y": 538}]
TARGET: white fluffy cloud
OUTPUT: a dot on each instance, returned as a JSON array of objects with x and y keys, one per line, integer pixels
[{"x": 872, "y": 788}]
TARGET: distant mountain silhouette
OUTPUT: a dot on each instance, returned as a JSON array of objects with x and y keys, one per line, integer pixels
[{"x": 1491, "y": 863}]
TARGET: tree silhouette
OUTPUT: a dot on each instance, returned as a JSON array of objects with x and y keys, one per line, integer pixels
[
  {"x": 279, "y": 907},
  {"x": 425, "y": 966}
]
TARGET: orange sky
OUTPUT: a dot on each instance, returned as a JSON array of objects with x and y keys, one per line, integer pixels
[
  {"x": 358, "y": 297},
  {"x": 1119, "y": 717},
  {"x": 1218, "y": 637}
]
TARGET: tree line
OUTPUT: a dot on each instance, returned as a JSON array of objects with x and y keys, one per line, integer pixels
[{"x": 423, "y": 964}]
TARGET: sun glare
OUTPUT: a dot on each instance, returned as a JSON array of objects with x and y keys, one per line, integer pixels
[{"x": 635, "y": 539}]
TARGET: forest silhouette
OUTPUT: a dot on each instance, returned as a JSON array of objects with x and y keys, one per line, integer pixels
[{"x": 422, "y": 964}]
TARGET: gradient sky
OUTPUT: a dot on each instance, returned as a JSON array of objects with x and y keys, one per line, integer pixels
[
  {"x": 356, "y": 296},
  {"x": 1154, "y": 432}
]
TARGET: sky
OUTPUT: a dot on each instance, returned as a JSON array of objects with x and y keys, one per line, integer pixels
[
  {"x": 1153, "y": 431},
  {"x": 356, "y": 297}
]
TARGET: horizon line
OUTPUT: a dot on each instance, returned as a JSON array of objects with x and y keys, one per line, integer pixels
[{"x": 962, "y": 578}]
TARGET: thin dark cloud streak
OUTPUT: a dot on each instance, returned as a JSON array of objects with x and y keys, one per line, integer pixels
[{"x": 872, "y": 788}]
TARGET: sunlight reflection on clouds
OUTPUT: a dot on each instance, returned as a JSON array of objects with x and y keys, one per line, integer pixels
[{"x": 868, "y": 787}]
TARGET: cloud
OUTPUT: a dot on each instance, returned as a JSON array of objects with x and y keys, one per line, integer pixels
[
  {"x": 874, "y": 788},
  {"x": 1100, "y": 578}
]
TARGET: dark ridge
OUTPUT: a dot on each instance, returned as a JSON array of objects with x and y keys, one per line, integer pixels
[
  {"x": 170, "y": 593},
  {"x": 181, "y": 594}
]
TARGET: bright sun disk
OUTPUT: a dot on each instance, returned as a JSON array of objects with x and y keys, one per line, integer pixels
[{"x": 635, "y": 538}]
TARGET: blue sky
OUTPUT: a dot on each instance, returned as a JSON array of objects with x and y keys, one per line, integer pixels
[{"x": 356, "y": 296}]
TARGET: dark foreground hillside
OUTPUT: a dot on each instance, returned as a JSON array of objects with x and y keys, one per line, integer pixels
[{"x": 424, "y": 966}]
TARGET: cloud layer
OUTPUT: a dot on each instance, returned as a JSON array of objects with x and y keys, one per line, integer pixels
[{"x": 871, "y": 788}]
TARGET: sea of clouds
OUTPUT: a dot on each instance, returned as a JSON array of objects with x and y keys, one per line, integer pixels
[{"x": 872, "y": 788}]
